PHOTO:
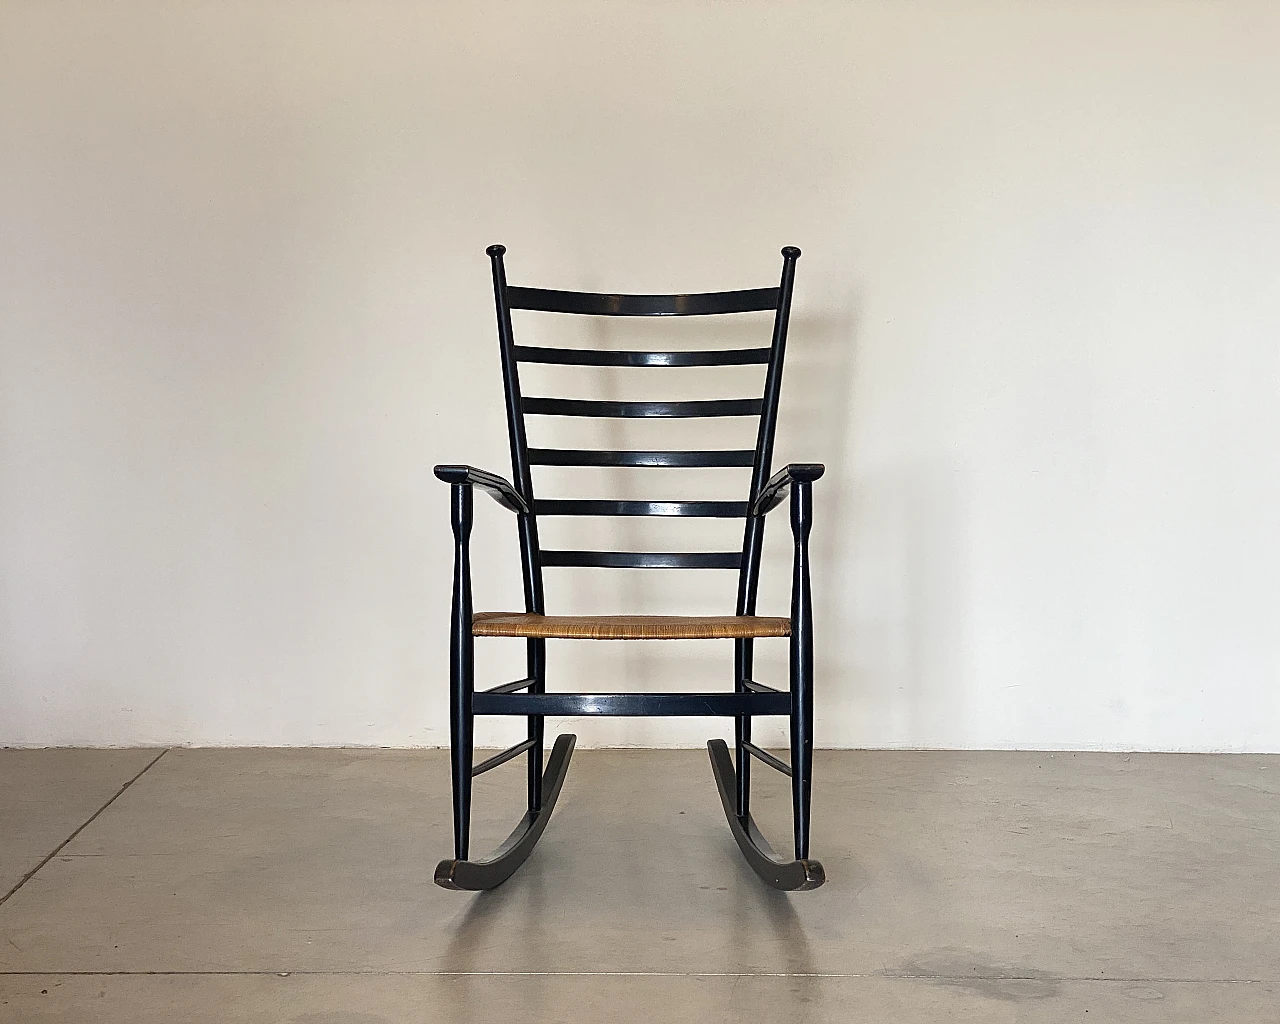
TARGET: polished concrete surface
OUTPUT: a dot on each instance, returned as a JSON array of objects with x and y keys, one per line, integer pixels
[
  {"x": 45, "y": 795},
  {"x": 295, "y": 885}
]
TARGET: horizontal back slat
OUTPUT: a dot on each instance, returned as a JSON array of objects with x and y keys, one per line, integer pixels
[
  {"x": 609, "y": 507},
  {"x": 642, "y": 410},
  {"x": 698, "y": 460},
  {"x": 601, "y": 357},
  {"x": 644, "y": 559},
  {"x": 549, "y": 300}
]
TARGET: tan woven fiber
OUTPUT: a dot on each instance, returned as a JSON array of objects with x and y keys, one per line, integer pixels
[{"x": 629, "y": 627}]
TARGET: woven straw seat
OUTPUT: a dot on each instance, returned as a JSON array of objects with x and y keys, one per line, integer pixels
[{"x": 629, "y": 627}]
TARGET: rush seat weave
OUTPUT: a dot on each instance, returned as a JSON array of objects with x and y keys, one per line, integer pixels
[{"x": 629, "y": 627}]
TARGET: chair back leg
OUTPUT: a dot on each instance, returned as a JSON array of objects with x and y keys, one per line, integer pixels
[
  {"x": 537, "y": 666},
  {"x": 742, "y": 658}
]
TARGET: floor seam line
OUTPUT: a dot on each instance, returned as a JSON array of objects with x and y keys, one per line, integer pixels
[
  {"x": 83, "y": 825},
  {"x": 639, "y": 974}
]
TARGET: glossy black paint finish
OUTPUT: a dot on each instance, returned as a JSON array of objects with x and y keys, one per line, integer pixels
[
  {"x": 549, "y": 300},
  {"x": 477, "y": 875},
  {"x": 642, "y": 410},
  {"x": 772, "y": 493},
  {"x": 531, "y": 568},
  {"x": 748, "y": 697},
  {"x": 759, "y": 752},
  {"x": 635, "y": 705},
  {"x": 695, "y": 460},
  {"x": 788, "y": 875},
  {"x": 502, "y": 757},
  {"x": 753, "y": 534},
  {"x": 537, "y": 654},
  {"x": 643, "y": 559},
  {"x": 592, "y": 507},
  {"x": 602, "y": 357},
  {"x": 801, "y": 662},
  {"x": 755, "y": 687},
  {"x": 506, "y": 495},
  {"x": 461, "y": 669},
  {"x": 512, "y": 687}
]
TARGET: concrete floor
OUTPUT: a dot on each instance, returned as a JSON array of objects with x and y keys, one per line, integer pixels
[{"x": 295, "y": 885}]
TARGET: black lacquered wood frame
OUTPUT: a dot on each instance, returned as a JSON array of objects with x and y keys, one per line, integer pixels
[
  {"x": 602, "y": 357},
  {"x": 528, "y": 697},
  {"x": 642, "y": 410},
  {"x": 677, "y": 460},
  {"x": 550, "y": 300}
]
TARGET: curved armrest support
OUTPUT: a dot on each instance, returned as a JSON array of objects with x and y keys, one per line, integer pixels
[
  {"x": 505, "y": 495},
  {"x": 772, "y": 493}
]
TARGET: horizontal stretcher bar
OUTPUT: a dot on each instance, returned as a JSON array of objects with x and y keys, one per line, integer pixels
[
  {"x": 511, "y": 687},
  {"x": 755, "y": 687},
  {"x": 766, "y": 757},
  {"x": 657, "y": 705},
  {"x": 643, "y": 559},
  {"x": 609, "y": 507},
  {"x": 503, "y": 757}
]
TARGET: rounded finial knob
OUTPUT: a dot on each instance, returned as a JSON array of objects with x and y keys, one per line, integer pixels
[
  {"x": 790, "y": 252},
  {"x": 496, "y": 250}
]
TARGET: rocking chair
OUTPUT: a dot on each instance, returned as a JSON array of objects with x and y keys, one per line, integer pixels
[{"x": 528, "y": 697}]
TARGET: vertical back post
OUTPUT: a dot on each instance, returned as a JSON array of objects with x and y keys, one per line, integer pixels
[
  {"x": 753, "y": 539},
  {"x": 530, "y": 553}
]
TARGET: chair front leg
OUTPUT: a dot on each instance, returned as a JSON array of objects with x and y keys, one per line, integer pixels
[
  {"x": 461, "y": 671},
  {"x": 801, "y": 665}
]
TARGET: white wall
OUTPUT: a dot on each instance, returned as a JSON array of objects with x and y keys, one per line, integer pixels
[{"x": 244, "y": 307}]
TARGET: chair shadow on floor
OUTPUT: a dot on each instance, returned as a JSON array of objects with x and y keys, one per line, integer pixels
[
  {"x": 490, "y": 911},
  {"x": 776, "y": 942}
]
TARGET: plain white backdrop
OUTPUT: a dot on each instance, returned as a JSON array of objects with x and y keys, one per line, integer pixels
[{"x": 244, "y": 308}]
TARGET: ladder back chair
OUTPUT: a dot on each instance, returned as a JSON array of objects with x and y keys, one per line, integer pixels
[{"x": 528, "y": 697}]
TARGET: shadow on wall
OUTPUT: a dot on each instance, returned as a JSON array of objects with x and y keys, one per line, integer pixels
[
  {"x": 815, "y": 425},
  {"x": 907, "y": 648},
  {"x": 891, "y": 579},
  {"x": 892, "y": 584}
]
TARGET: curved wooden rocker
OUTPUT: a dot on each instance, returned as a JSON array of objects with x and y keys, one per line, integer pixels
[
  {"x": 475, "y": 875},
  {"x": 528, "y": 697},
  {"x": 787, "y": 875}
]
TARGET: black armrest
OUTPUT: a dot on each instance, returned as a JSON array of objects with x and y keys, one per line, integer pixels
[
  {"x": 772, "y": 493},
  {"x": 505, "y": 495}
]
